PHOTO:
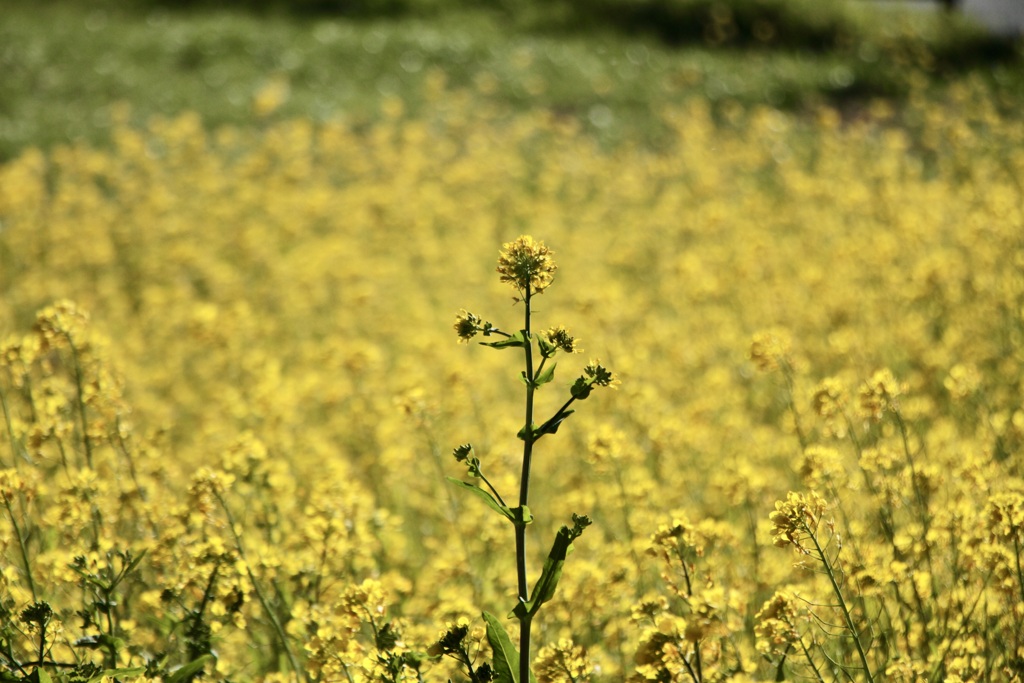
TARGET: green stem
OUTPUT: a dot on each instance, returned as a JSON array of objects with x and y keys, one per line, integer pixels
[
  {"x": 787, "y": 374},
  {"x": 689, "y": 670},
  {"x": 81, "y": 402},
  {"x": 42, "y": 641},
  {"x": 842, "y": 603},
  {"x": 497, "y": 495},
  {"x": 810, "y": 660},
  {"x": 1020, "y": 573},
  {"x": 22, "y": 548},
  {"x": 278, "y": 629},
  {"x": 524, "y": 495},
  {"x": 10, "y": 432},
  {"x": 630, "y": 534}
]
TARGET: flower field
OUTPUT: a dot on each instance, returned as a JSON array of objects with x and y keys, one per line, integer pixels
[{"x": 231, "y": 391}]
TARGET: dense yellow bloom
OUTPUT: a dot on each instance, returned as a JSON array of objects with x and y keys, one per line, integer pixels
[
  {"x": 1005, "y": 516},
  {"x": 771, "y": 348},
  {"x": 265, "y": 415},
  {"x": 962, "y": 381},
  {"x": 57, "y": 325},
  {"x": 879, "y": 394},
  {"x": 560, "y": 338},
  {"x": 527, "y": 265},
  {"x": 467, "y": 325},
  {"x": 775, "y": 624},
  {"x": 797, "y": 518},
  {"x": 829, "y": 402},
  {"x": 562, "y": 662}
]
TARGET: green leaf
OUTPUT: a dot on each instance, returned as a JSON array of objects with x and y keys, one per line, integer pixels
[
  {"x": 118, "y": 673},
  {"x": 516, "y": 340},
  {"x": 506, "y": 657},
  {"x": 546, "y": 376},
  {"x": 42, "y": 676},
  {"x": 551, "y": 426},
  {"x": 186, "y": 671},
  {"x": 547, "y": 349},
  {"x": 487, "y": 498},
  {"x": 134, "y": 562},
  {"x": 96, "y": 641},
  {"x": 544, "y": 590}
]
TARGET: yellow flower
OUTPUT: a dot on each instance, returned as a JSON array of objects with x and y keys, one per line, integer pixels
[
  {"x": 466, "y": 325},
  {"x": 1005, "y": 515},
  {"x": 600, "y": 375},
  {"x": 829, "y": 402},
  {"x": 962, "y": 381},
  {"x": 774, "y": 625},
  {"x": 59, "y": 323},
  {"x": 560, "y": 338},
  {"x": 563, "y": 661},
  {"x": 526, "y": 265},
  {"x": 796, "y": 518},
  {"x": 879, "y": 394},
  {"x": 770, "y": 348}
]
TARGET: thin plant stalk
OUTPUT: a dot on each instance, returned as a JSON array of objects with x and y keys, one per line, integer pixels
[
  {"x": 10, "y": 432},
  {"x": 847, "y": 617},
  {"x": 22, "y": 548},
  {"x": 278, "y": 629},
  {"x": 524, "y": 495},
  {"x": 80, "y": 393}
]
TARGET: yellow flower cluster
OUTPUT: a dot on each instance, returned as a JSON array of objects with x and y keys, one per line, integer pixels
[{"x": 232, "y": 446}]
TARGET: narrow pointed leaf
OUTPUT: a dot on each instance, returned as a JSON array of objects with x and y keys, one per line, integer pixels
[
  {"x": 487, "y": 498},
  {"x": 546, "y": 376},
  {"x": 188, "y": 670},
  {"x": 506, "y": 657},
  {"x": 552, "y": 572},
  {"x": 118, "y": 673},
  {"x": 551, "y": 426},
  {"x": 135, "y": 562},
  {"x": 547, "y": 349},
  {"x": 516, "y": 340}
]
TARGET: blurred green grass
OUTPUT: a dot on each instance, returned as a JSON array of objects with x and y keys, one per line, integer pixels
[{"x": 610, "y": 64}]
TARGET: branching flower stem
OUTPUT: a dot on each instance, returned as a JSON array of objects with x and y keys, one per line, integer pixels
[{"x": 847, "y": 617}]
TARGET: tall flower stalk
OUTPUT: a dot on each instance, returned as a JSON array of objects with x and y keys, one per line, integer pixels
[{"x": 528, "y": 266}]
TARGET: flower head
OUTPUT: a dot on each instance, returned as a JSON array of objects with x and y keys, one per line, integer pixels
[
  {"x": 829, "y": 401},
  {"x": 468, "y": 325},
  {"x": 771, "y": 348},
  {"x": 563, "y": 661},
  {"x": 526, "y": 265},
  {"x": 593, "y": 375},
  {"x": 560, "y": 338},
  {"x": 599, "y": 375},
  {"x": 775, "y": 624},
  {"x": 880, "y": 394},
  {"x": 796, "y": 519}
]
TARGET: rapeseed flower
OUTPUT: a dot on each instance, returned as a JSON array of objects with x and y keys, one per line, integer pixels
[{"x": 527, "y": 265}]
